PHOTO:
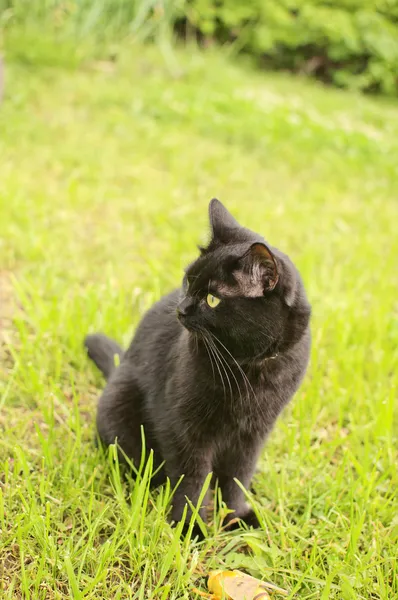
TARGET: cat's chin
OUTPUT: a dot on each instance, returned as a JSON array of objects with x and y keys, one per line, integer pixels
[{"x": 190, "y": 327}]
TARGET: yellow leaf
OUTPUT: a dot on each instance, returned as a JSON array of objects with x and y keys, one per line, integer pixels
[{"x": 235, "y": 585}]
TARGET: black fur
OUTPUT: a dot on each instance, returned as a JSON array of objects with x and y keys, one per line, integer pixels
[
  {"x": 208, "y": 383},
  {"x": 103, "y": 352}
]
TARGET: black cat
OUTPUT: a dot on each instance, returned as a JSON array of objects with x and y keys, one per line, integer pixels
[{"x": 210, "y": 367}]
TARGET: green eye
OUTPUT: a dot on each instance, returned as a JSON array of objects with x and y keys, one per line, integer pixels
[{"x": 212, "y": 301}]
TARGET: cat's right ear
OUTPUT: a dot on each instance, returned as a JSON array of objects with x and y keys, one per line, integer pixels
[{"x": 221, "y": 221}]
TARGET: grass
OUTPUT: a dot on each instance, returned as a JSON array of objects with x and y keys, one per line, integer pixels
[{"x": 106, "y": 172}]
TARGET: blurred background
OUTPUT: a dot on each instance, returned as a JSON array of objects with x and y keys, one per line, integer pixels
[
  {"x": 119, "y": 121},
  {"x": 349, "y": 43}
]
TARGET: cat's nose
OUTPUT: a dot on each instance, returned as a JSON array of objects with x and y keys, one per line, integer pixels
[{"x": 185, "y": 307}]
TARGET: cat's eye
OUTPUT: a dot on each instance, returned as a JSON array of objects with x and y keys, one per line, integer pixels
[{"x": 212, "y": 301}]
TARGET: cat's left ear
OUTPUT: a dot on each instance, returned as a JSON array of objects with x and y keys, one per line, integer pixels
[
  {"x": 221, "y": 221},
  {"x": 260, "y": 268}
]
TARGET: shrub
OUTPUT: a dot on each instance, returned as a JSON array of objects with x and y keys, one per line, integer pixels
[{"x": 352, "y": 43}]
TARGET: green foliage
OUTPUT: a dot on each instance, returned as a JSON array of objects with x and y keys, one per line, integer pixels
[
  {"x": 352, "y": 43},
  {"x": 80, "y": 29}
]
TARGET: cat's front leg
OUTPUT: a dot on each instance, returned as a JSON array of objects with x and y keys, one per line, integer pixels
[
  {"x": 238, "y": 463},
  {"x": 194, "y": 469}
]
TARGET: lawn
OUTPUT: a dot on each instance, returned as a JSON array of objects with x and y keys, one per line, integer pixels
[{"x": 106, "y": 173}]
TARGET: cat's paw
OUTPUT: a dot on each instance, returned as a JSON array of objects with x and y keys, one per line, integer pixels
[
  {"x": 248, "y": 517},
  {"x": 251, "y": 519},
  {"x": 197, "y": 533}
]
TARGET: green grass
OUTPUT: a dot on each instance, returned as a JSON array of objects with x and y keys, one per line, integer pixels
[{"x": 106, "y": 173}]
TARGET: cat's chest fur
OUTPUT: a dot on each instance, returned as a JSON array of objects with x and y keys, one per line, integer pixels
[{"x": 226, "y": 399}]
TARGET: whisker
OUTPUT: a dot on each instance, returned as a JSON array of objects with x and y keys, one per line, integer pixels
[
  {"x": 231, "y": 371},
  {"x": 218, "y": 368},
  {"x": 211, "y": 362},
  {"x": 244, "y": 376},
  {"x": 221, "y": 361}
]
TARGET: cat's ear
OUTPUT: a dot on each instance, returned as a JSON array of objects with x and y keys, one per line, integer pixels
[
  {"x": 221, "y": 221},
  {"x": 259, "y": 270},
  {"x": 264, "y": 264}
]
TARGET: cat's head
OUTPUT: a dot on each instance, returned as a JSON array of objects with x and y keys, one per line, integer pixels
[{"x": 243, "y": 292}]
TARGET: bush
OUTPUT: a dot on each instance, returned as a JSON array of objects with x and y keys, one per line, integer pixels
[{"x": 352, "y": 43}]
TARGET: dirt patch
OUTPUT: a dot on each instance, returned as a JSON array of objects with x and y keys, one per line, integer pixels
[{"x": 9, "y": 567}]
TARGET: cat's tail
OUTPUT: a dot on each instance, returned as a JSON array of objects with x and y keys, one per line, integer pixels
[{"x": 105, "y": 353}]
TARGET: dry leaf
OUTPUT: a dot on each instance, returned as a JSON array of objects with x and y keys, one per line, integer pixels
[{"x": 235, "y": 585}]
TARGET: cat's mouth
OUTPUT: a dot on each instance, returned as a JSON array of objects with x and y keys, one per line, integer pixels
[
  {"x": 185, "y": 322},
  {"x": 188, "y": 323}
]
